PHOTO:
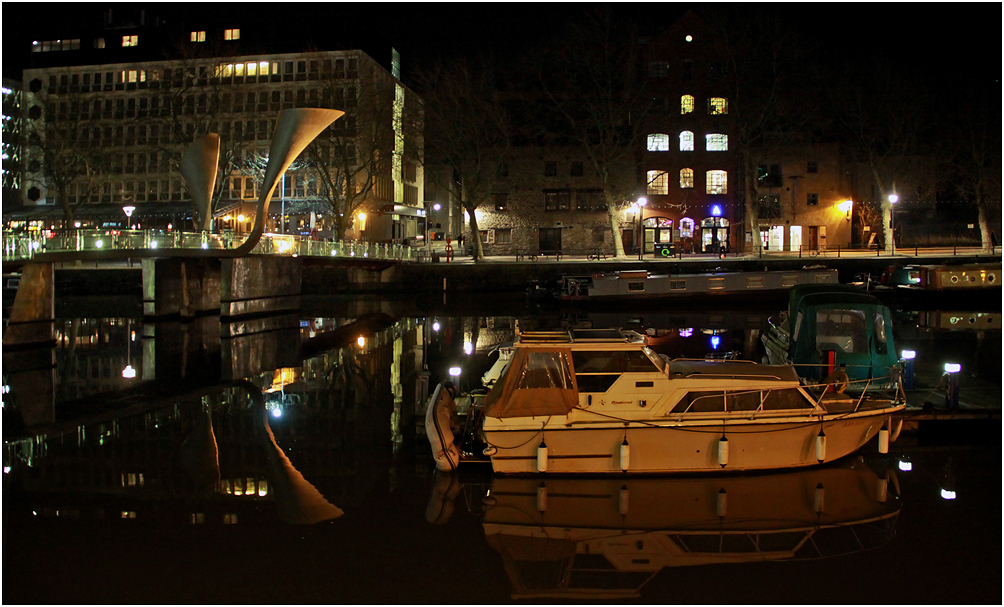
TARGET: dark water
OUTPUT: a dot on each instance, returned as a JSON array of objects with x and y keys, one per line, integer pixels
[{"x": 277, "y": 461}]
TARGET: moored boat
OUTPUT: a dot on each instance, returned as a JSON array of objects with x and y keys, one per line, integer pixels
[
  {"x": 598, "y": 401},
  {"x": 835, "y": 334},
  {"x": 641, "y": 284}
]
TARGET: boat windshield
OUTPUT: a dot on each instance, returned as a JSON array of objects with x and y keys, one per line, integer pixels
[
  {"x": 614, "y": 361},
  {"x": 842, "y": 330}
]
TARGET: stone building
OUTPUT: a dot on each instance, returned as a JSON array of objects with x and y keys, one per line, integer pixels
[{"x": 805, "y": 198}]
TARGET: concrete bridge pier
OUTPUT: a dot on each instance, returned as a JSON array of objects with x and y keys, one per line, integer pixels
[
  {"x": 29, "y": 360},
  {"x": 231, "y": 286},
  {"x": 180, "y": 287}
]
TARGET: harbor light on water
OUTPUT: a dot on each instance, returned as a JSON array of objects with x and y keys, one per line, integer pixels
[{"x": 279, "y": 468}]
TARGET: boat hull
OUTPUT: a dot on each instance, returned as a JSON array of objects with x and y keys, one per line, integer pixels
[{"x": 685, "y": 447}]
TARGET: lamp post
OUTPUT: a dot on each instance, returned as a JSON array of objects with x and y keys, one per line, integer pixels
[
  {"x": 128, "y": 209},
  {"x": 893, "y": 199},
  {"x": 642, "y": 201}
]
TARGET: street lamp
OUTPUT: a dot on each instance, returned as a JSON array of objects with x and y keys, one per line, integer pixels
[
  {"x": 893, "y": 199},
  {"x": 128, "y": 209},
  {"x": 642, "y": 201}
]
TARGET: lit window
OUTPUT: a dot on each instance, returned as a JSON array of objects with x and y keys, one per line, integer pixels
[
  {"x": 686, "y": 178},
  {"x": 198, "y": 36},
  {"x": 658, "y": 182},
  {"x": 687, "y": 141},
  {"x": 686, "y": 228},
  {"x": 717, "y": 182},
  {"x": 718, "y": 105},
  {"x": 234, "y": 34},
  {"x": 252, "y": 69},
  {"x": 658, "y": 142},
  {"x": 686, "y": 104},
  {"x": 716, "y": 142},
  {"x": 130, "y": 40}
]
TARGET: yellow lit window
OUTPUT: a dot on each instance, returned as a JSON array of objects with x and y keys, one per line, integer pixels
[
  {"x": 717, "y": 182},
  {"x": 718, "y": 105},
  {"x": 228, "y": 70},
  {"x": 686, "y": 178},
  {"x": 716, "y": 142},
  {"x": 252, "y": 69},
  {"x": 658, "y": 182},
  {"x": 234, "y": 34},
  {"x": 687, "y": 141},
  {"x": 230, "y": 518},
  {"x": 658, "y": 142},
  {"x": 198, "y": 36},
  {"x": 130, "y": 40},
  {"x": 263, "y": 68},
  {"x": 686, "y": 104},
  {"x": 240, "y": 69}
]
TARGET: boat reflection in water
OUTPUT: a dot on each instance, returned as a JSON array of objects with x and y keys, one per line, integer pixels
[{"x": 599, "y": 538}]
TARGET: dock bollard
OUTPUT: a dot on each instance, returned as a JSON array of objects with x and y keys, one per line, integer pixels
[
  {"x": 907, "y": 357},
  {"x": 952, "y": 396}
]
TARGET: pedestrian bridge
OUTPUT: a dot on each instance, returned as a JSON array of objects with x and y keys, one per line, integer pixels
[{"x": 106, "y": 244}]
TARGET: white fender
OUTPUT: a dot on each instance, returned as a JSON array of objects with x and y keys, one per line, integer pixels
[
  {"x": 623, "y": 499},
  {"x": 437, "y": 429},
  {"x": 722, "y": 503},
  {"x": 821, "y": 446},
  {"x": 542, "y": 456},
  {"x": 723, "y": 451},
  {"x": 625, "y": 455}
]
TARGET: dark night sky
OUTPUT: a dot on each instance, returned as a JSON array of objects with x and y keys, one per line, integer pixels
[{"x": 938, "y": 39}]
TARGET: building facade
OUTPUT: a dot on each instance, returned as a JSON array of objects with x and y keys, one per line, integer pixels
[
  {"x": 805, "y": 198},
  {"x": 13, "y": 144},
  {"x": 689, "y": 163},
  {"x": 113, "y": 133}
]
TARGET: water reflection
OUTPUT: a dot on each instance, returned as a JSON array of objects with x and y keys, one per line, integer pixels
[{"x": 600, "y": 538}]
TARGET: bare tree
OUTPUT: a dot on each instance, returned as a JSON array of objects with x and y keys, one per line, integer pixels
[
  {"x": 757, "y": 59},
  {"x": 468, "y": 133},
  {"x": 349, "y": 160},
  {"x": 976, "y": 164},
  {"x": 883, "y": 117},
  {"x": 592, "y": 81},
  {"x": 57, "y": 155}
]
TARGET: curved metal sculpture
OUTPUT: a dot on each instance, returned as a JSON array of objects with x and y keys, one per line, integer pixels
[
  {"x": 198, "y": 166},
  {"x": 294, "y": 130}
]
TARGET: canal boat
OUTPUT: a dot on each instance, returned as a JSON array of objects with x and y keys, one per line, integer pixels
[
  {"x": 589, "y": 539},
  {"x": 601, "y": 401},
  {"x": 642, "y": 284},
  {"x": 834, "y": 333}
]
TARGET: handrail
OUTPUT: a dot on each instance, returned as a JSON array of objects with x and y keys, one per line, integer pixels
[{"x": 18, "y": 247}]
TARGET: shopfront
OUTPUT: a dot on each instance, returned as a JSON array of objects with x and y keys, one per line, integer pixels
[{"x": 714, "y": 235}]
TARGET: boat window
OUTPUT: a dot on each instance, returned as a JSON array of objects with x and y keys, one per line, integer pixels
[
  {"x": 618, "y": 361},
  {"x": 880, "y": 335},
  {"x": 595, "y": 383},
  {"x": 701, "y": 402},
  {"x": 785, "y": 399},
  {"x": 746, "y": 400},
  {"x": 842, "y": 330},
  {"x": 545, "y": 370}
]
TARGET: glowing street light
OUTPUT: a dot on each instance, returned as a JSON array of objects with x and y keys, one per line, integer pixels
[
  {"x": 128, "y": 209},
  {"x": 642, "y": 201}
]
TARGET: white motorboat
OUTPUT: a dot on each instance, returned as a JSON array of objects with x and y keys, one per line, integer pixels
[{"x": 601, "y": 401}]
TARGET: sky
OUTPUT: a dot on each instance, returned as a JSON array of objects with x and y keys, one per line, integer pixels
[{"x": 948, "y": 38}]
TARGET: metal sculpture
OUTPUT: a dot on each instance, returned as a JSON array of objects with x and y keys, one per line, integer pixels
[
  {"x": 198, "y": 166},
  {"x": 294, "y": 130}
]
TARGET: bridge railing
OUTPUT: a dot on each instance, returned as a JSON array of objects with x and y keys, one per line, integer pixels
[{"x": 18, "y": 247}]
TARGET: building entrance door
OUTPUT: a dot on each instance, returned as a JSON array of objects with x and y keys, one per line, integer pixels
[{"x": 549, "y": 239}]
